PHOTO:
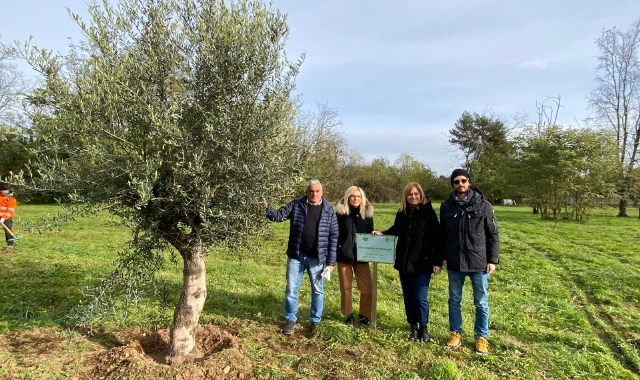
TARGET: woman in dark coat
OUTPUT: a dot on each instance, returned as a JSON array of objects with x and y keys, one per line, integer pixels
[
  {"x": 355, "y": 215},
  {"x": 417, "y": 256}
]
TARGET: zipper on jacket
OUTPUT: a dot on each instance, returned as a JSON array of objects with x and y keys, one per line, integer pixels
[
  {"x": 354, "y": 230},
  {"x": 461, "y": 237},
  {"x": 462, "y": 241}
]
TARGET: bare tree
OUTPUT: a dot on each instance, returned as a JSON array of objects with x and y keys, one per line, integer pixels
[
  {"x": 323, "y": 147},
  {"x": 16, "y": 137},
  {"x": 12, "y": 85},
  {"x": 315, "y": 131},
  {"x": 547, "y": 113},
  {"x": 616, "y": 98}
]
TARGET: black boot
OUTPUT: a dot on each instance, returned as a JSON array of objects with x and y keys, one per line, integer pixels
[
  {"x": 413, "y": 336},
  {"x": 423, "y": 334},
  {"x": 349, "y": 320},
  {"x": 363, "y": 320}
]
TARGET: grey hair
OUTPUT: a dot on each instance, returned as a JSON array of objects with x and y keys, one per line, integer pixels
[{"x": 313, "y": 182}]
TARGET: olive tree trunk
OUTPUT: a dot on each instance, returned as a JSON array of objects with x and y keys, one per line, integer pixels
[{"x": 194, "y": 292}]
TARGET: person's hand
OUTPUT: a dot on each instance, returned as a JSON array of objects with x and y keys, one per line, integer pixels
[
  {"x": 377, "y": 233},
  {"x": 1, "y": 220},
  {"x": 491, "y": 268},
  {"x": 326, "y": 273},
  {"x": 444, "y": 264},
  {"x": 263, "y": 201},
  {"x": 436, "y": 270}
]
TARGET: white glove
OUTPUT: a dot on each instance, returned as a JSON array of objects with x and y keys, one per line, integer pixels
[
  {"x": 1, "y": 220},
  {"x": 326, "y": 274}
]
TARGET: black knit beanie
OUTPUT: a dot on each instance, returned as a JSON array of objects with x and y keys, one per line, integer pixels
[{"x": 459, "y": 172}]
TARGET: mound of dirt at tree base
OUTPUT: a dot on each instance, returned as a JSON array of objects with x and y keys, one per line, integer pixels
[{"x": 219, "y": 356}]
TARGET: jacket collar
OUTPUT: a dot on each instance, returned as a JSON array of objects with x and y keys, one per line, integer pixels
[
  {"x": 305, "y": 200},
  {"x": 309, "y": 203},
  {"x": 473, "y": 197}
]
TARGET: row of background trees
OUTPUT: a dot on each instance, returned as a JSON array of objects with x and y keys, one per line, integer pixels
[{"x": 560, "y": 172}]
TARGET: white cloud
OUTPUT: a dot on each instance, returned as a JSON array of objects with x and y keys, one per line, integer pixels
[{"x": 535, "y": 64}]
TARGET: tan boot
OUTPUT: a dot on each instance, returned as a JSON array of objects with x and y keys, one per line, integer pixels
[
  {"x": 455, "y": 340},
  {"x": 482, "y": 346}
]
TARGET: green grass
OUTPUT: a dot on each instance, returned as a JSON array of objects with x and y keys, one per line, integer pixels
[{"x": 565, "y": 302}]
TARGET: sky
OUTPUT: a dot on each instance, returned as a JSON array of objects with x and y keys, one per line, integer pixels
[{"x": 401, "y": 73}]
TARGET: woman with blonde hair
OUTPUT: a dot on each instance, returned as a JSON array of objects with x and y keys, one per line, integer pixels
[
  {"x": 418, "y": 254},
  {"x": 355, "y": 215}
]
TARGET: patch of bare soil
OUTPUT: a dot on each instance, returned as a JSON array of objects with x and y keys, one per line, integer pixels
[
  {"x": 7, "y": 251},
  {"x": 219, "y": 356},
  {"x": 48, "y": 351}
]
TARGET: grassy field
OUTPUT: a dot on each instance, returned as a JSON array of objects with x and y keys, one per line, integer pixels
[{"x": 565, "y": 304}]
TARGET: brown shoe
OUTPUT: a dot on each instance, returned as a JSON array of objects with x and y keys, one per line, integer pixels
[
  {"x": 482, "y": 346},
  {"x": 455, "y": 340}
]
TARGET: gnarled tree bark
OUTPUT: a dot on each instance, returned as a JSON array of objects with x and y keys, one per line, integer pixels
[{"x": 194, "y": 293}]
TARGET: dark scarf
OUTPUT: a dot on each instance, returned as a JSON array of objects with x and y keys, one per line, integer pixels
[{"x": 462, "y": 202}]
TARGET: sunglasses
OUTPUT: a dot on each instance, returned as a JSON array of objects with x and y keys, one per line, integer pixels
[{"x": 458, "y": 181}]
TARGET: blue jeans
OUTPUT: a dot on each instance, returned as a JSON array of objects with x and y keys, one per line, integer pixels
[
  {"x": 480, "y": 284},
  {"x": 415, "y": 291},
  {"x": 295, "y": 269}
]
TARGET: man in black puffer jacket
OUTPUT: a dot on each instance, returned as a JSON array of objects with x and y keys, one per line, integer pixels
[
  {"x": 313, "y": 238},
  {"x": 470, "y": 237}
]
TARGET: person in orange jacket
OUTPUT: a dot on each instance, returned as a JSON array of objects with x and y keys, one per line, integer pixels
[{"x": 7, "y": 210}]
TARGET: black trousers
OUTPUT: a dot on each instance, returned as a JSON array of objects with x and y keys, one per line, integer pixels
[{"x": 7, "y": 235}]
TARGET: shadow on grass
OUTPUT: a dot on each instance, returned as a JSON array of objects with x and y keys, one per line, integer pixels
[
  {"x": 39, "y": 294},
  {"x": 264, "y": 306},
  {"x": 33, "y": 294},
  {"x": 267, "y": 306}
]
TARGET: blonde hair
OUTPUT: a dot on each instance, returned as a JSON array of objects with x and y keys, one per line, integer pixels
[
  {"x": 342, "y": 207},
  {"x": 407, "y": 189}
]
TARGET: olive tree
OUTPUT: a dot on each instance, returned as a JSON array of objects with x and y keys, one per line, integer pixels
[{"x": 174, "y": 115}]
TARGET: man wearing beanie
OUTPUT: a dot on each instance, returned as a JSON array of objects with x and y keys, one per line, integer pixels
[{"x": 470, "y": 237}]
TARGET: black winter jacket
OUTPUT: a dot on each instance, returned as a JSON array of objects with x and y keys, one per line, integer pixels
[
  {"x": 348, "y": 225},
  {"x": 469, "y": 233},
  {"x": 417, "y": 249}
]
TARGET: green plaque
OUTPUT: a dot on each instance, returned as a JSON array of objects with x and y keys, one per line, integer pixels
[{"x": 376, "y": 249}]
